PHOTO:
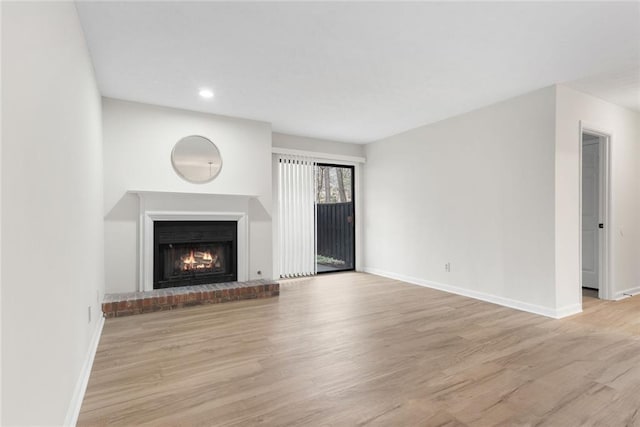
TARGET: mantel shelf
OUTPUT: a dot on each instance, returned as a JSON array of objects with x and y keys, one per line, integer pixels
[{"x": 180, "y": 193}]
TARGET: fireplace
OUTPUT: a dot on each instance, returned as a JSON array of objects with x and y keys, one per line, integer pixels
[{"x": 190, "y": 253}]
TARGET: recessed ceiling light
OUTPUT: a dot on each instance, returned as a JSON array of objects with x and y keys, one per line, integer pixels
[{"x": 206, "y": 93}]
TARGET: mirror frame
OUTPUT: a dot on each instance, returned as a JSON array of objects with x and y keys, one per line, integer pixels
[{"x": 180, "y": 174}]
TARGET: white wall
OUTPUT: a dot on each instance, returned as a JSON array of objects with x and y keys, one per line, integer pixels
[
  {"x": 295, "y": 142},
  {"x": 52, "y": 228},
  {"x": 0, "y": 215},
  {"x": 624, "y": 225},
  {"x": 475, "y": 190},
  {"x": 138, "y": 140}
]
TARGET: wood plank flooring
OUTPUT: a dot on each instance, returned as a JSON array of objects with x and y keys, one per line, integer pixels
[{"x": 356, "y": 349}]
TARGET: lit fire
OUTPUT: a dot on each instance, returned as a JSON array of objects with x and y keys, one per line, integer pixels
[{"x": 198, "y": 260}]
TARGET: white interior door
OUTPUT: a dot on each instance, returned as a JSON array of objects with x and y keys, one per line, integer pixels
[{"x": 590, "y": 211}]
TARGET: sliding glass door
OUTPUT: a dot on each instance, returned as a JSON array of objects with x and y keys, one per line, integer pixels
[
  {"x": 316, "y": 217},
  {"x": 335, "y": 218}
]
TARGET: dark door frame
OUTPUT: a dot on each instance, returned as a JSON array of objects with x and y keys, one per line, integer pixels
[{"x": 353, "y": 223}]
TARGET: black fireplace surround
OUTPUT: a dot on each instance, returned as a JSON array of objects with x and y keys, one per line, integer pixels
[{"x": 190, "y": 253}]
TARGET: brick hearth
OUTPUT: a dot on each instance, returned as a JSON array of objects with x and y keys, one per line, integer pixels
[{"x": 126, "y": 304}]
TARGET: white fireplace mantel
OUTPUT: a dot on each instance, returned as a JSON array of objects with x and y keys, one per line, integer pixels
[{"x": 148, "y": 217}]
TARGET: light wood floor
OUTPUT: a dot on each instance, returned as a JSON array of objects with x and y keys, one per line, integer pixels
[{"x": 356, "y": 349}]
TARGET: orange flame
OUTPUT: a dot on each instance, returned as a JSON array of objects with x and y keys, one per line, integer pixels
[{"x": 197, "y": 260}]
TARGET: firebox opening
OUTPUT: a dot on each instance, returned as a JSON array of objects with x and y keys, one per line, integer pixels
[{"x": 194, "y": 253}]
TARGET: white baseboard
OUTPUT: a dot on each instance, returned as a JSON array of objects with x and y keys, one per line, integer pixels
[
  {"x": 626, "y": 293},
  {"x": 81, "y": 385},
  {"x": 507, "y": 302},
  {"x": 567, "y": 311}
]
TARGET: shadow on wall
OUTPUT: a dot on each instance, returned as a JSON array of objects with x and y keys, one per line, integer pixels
[
  {"x": 257, "y": 211},
  {"x": 126, "y": 209},
  {"x": 122, "y": 245}
]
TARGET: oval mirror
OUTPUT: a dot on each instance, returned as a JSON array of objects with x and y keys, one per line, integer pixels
[{"x": 196, "y": 159}]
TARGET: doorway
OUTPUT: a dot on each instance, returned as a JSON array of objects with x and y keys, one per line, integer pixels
[
  {"x": 594, "y": 208},
  {"x": 335, "y": 218}
]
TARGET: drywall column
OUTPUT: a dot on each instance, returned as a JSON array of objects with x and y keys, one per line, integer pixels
[
  {"x": 51, "y": 203},
  {"x": 0, "y": 215}
]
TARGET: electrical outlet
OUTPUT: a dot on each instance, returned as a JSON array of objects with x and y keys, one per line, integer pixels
[
  {"x": 89, "y": 312},
  {"x": 447, "y": 267}
]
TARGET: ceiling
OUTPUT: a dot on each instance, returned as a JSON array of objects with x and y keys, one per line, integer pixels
[{"x": 360, "y": 71}]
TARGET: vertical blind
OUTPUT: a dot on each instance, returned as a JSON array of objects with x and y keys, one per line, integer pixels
[{"x": 296, "y": 212}]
